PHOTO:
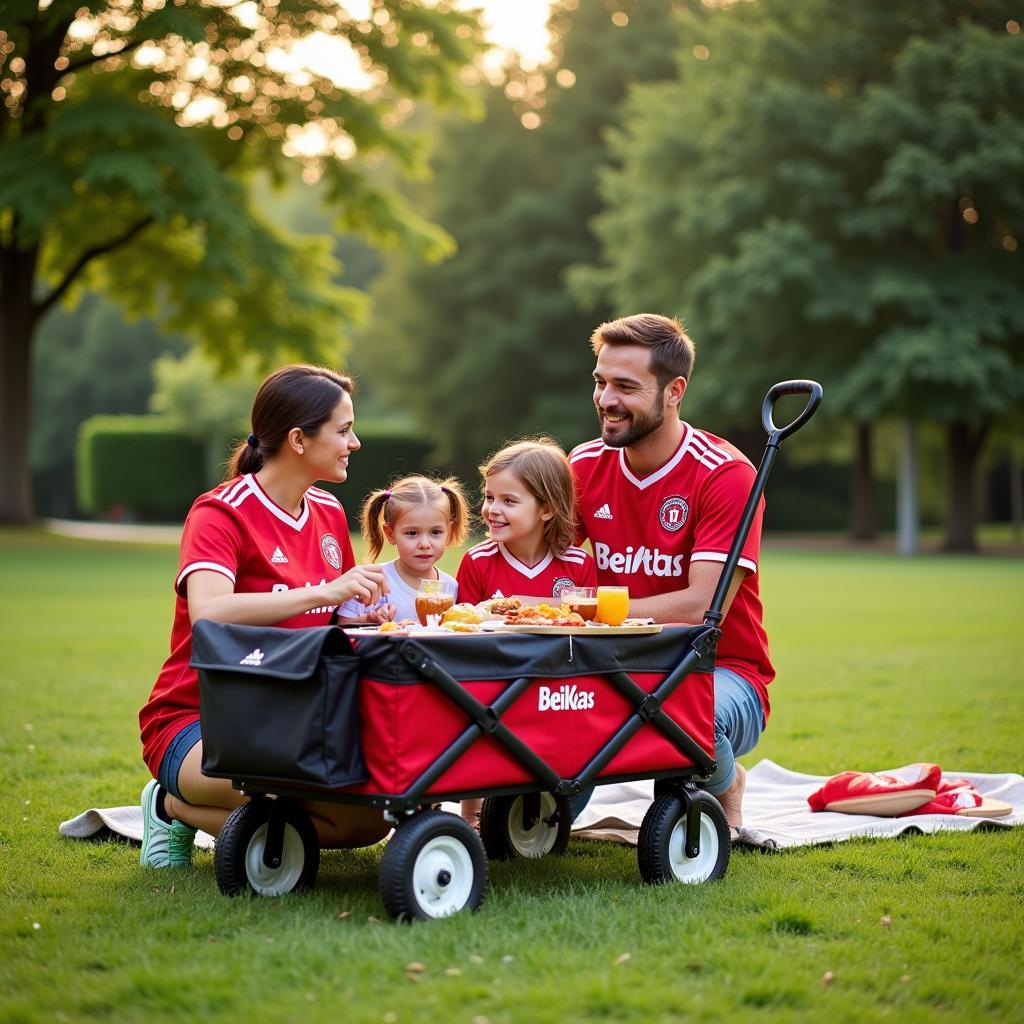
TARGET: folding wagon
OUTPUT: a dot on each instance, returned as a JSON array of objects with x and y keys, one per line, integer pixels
[{"x": 406, "y": 722}]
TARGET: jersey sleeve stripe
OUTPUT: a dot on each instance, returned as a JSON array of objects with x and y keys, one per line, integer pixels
[
  {"x": 239, "y": 494},
  {"x": 483, "y": 551},
  {"x": 329, "y": 502},
  {"x": 577, "y": 558},
  {"x": 714, "y": 450},
  {"x": 720, "y": 556},
  {"x": 580, "y": 456},
  {"x": 323, "y": 497},
  {"x": 596, "y": 445},
  {"x": 195, "y": 566},
  {"x": 232, "y": 490},
  {"x": 706, "y": 455}
]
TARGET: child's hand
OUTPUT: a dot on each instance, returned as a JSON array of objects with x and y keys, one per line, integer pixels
[{"x": 385, "y": 613}]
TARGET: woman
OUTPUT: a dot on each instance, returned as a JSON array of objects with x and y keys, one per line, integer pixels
[{"x": 264, "y": 548}]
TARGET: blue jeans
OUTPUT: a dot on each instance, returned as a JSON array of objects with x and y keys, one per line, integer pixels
[
  {"x": 171, "y": 763},
  {"x": 739, "y": 722}
]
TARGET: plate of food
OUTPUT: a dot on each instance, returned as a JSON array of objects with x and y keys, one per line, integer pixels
[{"x": 544, "y": 618}]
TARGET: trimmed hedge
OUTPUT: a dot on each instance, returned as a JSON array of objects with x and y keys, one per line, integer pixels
[{"x": 137, "y": 467}]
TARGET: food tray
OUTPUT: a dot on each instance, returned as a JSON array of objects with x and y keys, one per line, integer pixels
[{"x": 581, "y": 630}]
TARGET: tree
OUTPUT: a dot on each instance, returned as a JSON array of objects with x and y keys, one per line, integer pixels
[
  {"x": 494, "y": 329},
  {"x": 128, "y": 131},
  {"x": 834, "y": 191},
  {"x": 86, "y": 362}
]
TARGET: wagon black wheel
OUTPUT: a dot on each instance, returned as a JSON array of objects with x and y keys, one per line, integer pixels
[
  {"x": 433, "y": 866},
  {"x": 661, "y": 845},
  {"x": 525, "y": 826},
  {"x": 238, "y": 861}
]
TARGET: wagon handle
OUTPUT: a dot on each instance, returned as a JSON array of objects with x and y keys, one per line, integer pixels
[
  {"x": 713, "y": 616},
  {"x": 789, "y": 387}
]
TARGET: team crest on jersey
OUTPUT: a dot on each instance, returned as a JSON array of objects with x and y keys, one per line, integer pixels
[
  {"x": 331, "y": 549},
  {"x": 562, "y": 583},
  {"x": 673, "y": 513}
]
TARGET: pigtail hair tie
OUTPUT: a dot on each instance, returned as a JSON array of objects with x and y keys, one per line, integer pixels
[{"x": 252, "y": 441}]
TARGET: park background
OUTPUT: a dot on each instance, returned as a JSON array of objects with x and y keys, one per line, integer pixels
[
  {"x": 818, "y": 190},
  {"x": 191, "y": 193}
]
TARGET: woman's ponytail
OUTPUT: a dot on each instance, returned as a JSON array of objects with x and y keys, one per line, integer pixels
[{"x": 246, "y": 458}]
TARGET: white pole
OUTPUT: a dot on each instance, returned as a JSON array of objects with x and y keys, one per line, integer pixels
[{"x": 906, "y": 494}]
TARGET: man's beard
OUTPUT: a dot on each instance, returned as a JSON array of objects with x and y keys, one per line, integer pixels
[{"x": 641, "y": 425}]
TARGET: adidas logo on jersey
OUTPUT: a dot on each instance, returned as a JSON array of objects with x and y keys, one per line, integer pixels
[
  {"x": 278, "y": 557},
  {"x": 565, "y": 698},
  {"x": 253, "y": 658},
  {"x": 604, "y": 512},
  {"x": 649, "y": 561}
]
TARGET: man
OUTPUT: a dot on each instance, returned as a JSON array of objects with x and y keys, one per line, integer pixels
[{"x": 660, "y": 501}]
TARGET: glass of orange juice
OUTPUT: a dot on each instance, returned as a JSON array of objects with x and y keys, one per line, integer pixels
[{"x": 612, "y": 605}]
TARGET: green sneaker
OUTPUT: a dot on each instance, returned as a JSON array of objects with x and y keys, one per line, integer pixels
[{"x": 163, "y": 845}]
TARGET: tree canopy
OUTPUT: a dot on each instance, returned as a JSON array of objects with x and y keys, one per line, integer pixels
[
  {"x": 128, "y": 131},
  {"x": 833, "y": 190},
  {"x": 494, "y": 328}
]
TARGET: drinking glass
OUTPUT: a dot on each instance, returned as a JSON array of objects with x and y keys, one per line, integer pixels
[
  {"x": 581, "y": 600},
  {"x": 432, "y": 601},
  {"x": 612, "y": 605}
]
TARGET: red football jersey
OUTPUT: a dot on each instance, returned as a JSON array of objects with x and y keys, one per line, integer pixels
[
  {"x": 489, "y": 569},
  {"x": 238, "y": 531},
  {"x": 647, "y": 531}
]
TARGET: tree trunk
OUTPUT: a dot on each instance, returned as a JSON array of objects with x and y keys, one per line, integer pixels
[
  {"x": 962, "y": 447},
  {"x": 907, "y": 541},
  {"x": 18, "y": 318},
  {"x": 862, "y": 513}
]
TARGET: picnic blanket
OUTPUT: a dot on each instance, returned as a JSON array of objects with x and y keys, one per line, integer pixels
[{"x": 776, "y": 815}]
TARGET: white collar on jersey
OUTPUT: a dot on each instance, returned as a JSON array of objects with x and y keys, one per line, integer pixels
[
  {"x": 528, "y": 571},
  {"x": 658, "y": 474}
]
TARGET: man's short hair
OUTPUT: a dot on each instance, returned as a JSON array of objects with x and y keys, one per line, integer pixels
[{"x": 672, "y": 350}]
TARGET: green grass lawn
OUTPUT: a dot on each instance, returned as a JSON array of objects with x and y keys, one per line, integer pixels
[{"x": 881, "y": 661}]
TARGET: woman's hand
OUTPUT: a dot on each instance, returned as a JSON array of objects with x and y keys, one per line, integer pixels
[
  {"x": 211, "y": 595},
  {"x": 365, "y": 583}
]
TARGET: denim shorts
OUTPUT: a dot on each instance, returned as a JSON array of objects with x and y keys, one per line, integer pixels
[{"x": 176, "y": 752}]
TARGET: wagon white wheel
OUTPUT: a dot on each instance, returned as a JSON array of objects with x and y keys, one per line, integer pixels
[
  {"x": 661, "y": 844},
  {"x": 434, "y": 866}
]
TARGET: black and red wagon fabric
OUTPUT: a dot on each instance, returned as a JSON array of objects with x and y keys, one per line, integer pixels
[
  {"x": 568, "y": 712},
  {"x": 303, "y": 708}
]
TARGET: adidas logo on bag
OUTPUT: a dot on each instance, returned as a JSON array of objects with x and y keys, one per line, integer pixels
[
  {"x": 253, "y": 658},
  {"x": 278, "y": 557},
  {"x": 604, "y": 512}
]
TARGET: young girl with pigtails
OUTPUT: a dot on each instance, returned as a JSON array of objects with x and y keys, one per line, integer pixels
[{"x": 421, "y": 518}]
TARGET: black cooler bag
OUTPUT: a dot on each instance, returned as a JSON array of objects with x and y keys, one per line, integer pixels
[{"x": 278, "y": 704}]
